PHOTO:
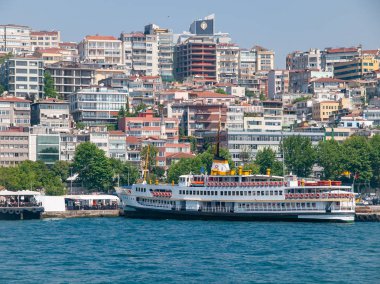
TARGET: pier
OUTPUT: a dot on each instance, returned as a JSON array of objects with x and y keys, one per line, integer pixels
[
  {"x": 367, "y": 213},
  {"x": 81, "y": 213}
]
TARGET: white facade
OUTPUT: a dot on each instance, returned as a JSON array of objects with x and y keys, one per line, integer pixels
[
  {"x": 227, "y": 60},
  {"x": 45, "y": 39},
  {"x": 278, "y": 82},
  {"x": 101, "y": 49},
  {"x": 15, "y": 39}
]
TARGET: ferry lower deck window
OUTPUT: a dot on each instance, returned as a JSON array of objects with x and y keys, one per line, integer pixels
[
  {"x": 197, "y": 192},
  {"x": 187, "y": 192},
  {"x": 221, "y": 193},
  {"x": 233, "y": 193},
  {"x": 229, "y": 193},
  {"x": 245, "y": 193},
  {"x": 258, "y": 193},
  {"x": 262, "y": 193},
  {"x": 266, "y": 193},
  {"x": 241, "y": 193},
  {"x": 271, "y": 192},
  {"x": 253, "y": 193},
  {"x": 276, "y": 192},
  {"x": 280, "y": 192}
]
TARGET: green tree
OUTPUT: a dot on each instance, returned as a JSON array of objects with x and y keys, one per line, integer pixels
[
  {"x": 49, "y": 88},
  {"x": 357, "y": 158},
  {"x": 184, "y": 167},
  {"x": 221, "y": 91},
  {"x": 208, "y": 156},
  {"x": 299, "y": 155},
  {"x": 374, "y": 143},
  {"x": 153, "y": 152},
  {"x": 2, "y": 89},
  {"x": 329, "y": 157},
  {"x": 61, "y": 169},
  {"x": 121, "y": 113},
  {"x": 252, "y": 167},
  {"x": 249, "y": 94},
  {"x": 93, "y": 167},
  {"x": 139, "y": 108},
  {"x": 262, "y": 97},
  {"x": 124, "y": 173},
  {"x": 80, "y": 125},
  {"x": 193, "y": 144},
  {"x": 266, "y": 159}
]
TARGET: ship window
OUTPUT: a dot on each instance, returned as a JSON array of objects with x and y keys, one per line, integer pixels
[
  {"x": 275, "y": 192},
  {"x": 241, "y": 193},
  {"x": 262, "y": 193},
  {"x": 253, "y": 193},
  {"x": 258, "y": 193},
  {"x": 197, "y": 192},
  {"x": 245, "y": 193},
  {"x": 280, "y": 192},
  {"x": 237, "y": 192},
  {"x": 221, "y": 193},
  {"x": 187, "y": 192},
  {"x": 266, "y": 193},
  {"x": 233, "y": 193},
  {"x": 271, "y": 192},
  {"x": 229, "y": 193}
]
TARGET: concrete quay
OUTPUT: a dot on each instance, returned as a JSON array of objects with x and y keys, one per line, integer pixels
[
  {"x": 81, "y": 213},
  {"x": 367, "y": 214}
]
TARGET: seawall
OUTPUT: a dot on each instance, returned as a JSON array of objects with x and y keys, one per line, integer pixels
[
  {"x": 81, "y": 213},
  {"x": 367, "y": 214}
]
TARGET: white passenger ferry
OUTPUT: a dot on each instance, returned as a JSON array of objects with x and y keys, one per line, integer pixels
[{"x": 227, "y": 195}]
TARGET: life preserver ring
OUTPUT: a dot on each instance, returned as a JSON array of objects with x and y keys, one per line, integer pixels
[
  {"x": 336, "y": 195},
  {"x": 4, "y": 211},
  {"x": 347, "y": 195},
  {"x": 330, "y": 195},
  {"x": 10, "y": 211},
  {"x": 17, "y": 212},
  {"x": 301, "y": 195},
  {"x": 323, "y": 195},
  {"x": 306, "y": 195}
]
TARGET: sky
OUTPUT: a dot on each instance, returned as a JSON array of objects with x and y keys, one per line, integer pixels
[{"x": 283, "y": 26}]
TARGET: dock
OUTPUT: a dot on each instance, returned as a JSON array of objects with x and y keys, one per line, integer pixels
[
  {"x": 367, "y": 213},
  {"x": 81, "y": 213}
]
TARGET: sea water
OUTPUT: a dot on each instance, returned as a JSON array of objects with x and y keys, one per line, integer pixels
[{"x": 120, "y": 250}]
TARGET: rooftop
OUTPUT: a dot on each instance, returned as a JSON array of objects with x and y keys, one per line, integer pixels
[{"x": 98, "y": 37}]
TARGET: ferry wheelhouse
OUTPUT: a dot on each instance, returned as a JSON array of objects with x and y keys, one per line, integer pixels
[{"x": 229, "y": 195}]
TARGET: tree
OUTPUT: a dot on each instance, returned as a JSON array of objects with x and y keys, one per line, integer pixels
[
  {"x": 61, "y": 169},
  {"x": 329, "y": 157},
  {"x": 49, "y": 88},
  {"x": 357, "y": 159},
  {"x": 221, "y": 91},
  {"x": 193, "y": 144},
  {"x": 299, "y": 155},
  {"x": 139, "y": 108},
  {"x": 208, "y": 156},
  {"x": 153, "y": 152},
  {"x": 252, "y": 167},
  {"x": 374, "y": 143},
  {"x": 124, "y": 173},
  {"x": 249, "y": 94},
  {"x": 184, "y": 167},
  {"x": 2, "y": 89},
  {"x": 121, "y": 113},
  {"x": 266, "y": 159},
  {"x": 80, "y": 125},
  {"x": 93, "y": 167},
  {"x": 262, "y": 97}
]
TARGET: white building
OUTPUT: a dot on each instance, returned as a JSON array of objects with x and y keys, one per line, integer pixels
[
  {"x": 97, "y": 104},
  {"x": 278, "y": 82},
  {"x": 227, "y": 61},
  {"x": 106, "y": 50},
  {"x": 15, "y": 39},
  {"x": 45, "y": 39},
  {"x": 23, "y": 77},
  {"x": 310, "y": 59}
]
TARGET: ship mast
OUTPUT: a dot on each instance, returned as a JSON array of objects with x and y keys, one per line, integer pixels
[{"x": 146, "y": 163}]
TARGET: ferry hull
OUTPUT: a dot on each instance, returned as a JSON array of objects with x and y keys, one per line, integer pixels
[
  {"x": 20, "y": 213},
  {"x": 146, "y": 213}
]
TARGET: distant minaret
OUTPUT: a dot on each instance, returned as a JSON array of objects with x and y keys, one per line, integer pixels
[{"x": 162, "y": 127}]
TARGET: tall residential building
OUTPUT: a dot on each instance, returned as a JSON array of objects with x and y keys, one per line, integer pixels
[
  {"x": 310, "y": 59},
  {"x": 51, "y": 113},
  {"x": 96, "y": 105},
  {"x": 70, "y": 77},
  {"x": 278, "y": 82},
  {"x": 144, "y": 89},
  {"x": 196, "y": 56},
  {"x": 45, "y": 39},
  {"x": 227, "y": 60},
  {"x": 247, "y": 66},
  {"x": 330, "y": 56},
  {"x": 203, "y": 27},
  {"x": 105, "y": 50},
  {"x": 15, "y": 39},
  {"x": 140, "y": 53},
  {"x": 23, "y": 77},
  {"x": 264, "y": 59},
  {"x": 14, "y": 112},
  {"x": 322, "y": 110},
  {"x": 299, "y": 80},
  {"x": 14, "y": 146},
  {"x": 355, "y": 69},
  {"x": 165, "y": 50}
]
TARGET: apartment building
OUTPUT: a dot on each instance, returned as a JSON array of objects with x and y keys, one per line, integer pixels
[
  {"x": 310, "y": 59},
  {"x": 355, "y": 69},
  {"x": 247, "y": 66},
  {"x": 69, "y": 142},
  {"x": 44, "y": 145},
  {"x": 15, "y": 39},
  {"x": 70, "y": 77},
  {"x": 299, "y": 80},
  {"x": 14, "y": 146},
  {"x": 264, "y": 59},
  {"x": 227, "y": 60},
  {"x": 14, "y": 112},
  {"x": 196, "y": 56},
  {"x": 147, "y": 125},
  {"x": 144, "y": 89},
  {"x": 322, "y": 110},
  {"x": 71, "y": 47},
  {"x": 23, "y": 77},
  {"x": 117, "y": 145},
  {"x": 266, "y": 116},
  {"x": 328, "y": 85},
  {"x": 165, "y": 44},
  {"x": 331, "y": 56},
  {"x": 140, "y": 53},
  {"x": 211, "y": 98},
  {"x": 251, "y": 141},
  {"x": 278, "y": 82},
  {"x": 96, "y": 105},
  {"x": 105, "y": 50},
  {"x": 52, "y": 113},
  {"x": 45, "y": 39}
]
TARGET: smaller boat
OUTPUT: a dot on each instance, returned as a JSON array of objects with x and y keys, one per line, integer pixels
[{"x": 20, "y": 205}]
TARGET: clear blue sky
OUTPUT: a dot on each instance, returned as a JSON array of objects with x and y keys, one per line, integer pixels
[{"x": 280, "y": 25}]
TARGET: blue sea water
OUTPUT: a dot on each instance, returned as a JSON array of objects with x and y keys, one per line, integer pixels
[{"x": 122, "y": 250}]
